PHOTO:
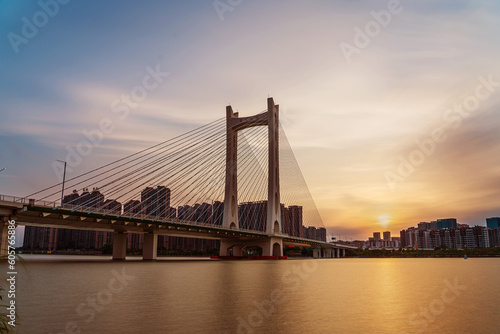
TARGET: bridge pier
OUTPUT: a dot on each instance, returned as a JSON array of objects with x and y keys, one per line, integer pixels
[
  {"x": 343, "y": 252},
  {"x": 327, "y": 253},
  {"x": 316, "y": 253},
  {"x": 150, "y": 246},
  {"x": 224, "y": 247},
  {"x": 119, "y": 245},
  {"x": 272, "y": 246},
  {"x": 230, "y": 247},
  {"x": 237, "y": 250}
]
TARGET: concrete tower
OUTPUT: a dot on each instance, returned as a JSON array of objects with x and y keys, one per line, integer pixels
[{"x": 270, "y": 118}]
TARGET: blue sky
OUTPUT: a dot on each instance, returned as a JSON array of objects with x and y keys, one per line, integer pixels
[{"x": 349, "y": 120}]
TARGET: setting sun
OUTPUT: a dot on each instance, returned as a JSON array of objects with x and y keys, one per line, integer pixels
[{"x": 384, "y": 220}]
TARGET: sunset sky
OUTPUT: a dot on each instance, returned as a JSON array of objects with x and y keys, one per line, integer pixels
[{"x": 358, "y": 97}]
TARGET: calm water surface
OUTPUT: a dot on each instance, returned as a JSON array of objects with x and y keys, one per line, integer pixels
[{"x": 68, "y": 294}]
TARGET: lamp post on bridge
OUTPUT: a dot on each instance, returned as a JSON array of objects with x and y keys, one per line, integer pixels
[{"x": 64, "y": 179}]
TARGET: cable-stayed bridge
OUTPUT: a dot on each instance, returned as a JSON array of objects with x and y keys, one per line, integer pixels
[{"x": 235, "y": 179}]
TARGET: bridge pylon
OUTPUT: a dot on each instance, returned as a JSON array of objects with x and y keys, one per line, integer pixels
[{"x": 234, "y": 123}]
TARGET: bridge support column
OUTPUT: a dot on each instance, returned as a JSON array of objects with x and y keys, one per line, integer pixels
[
  {"x": 273, "y": 247},
  {"x": 270, "y": 246},
  {"x": 150, "y": 248},
  {"x": 328, "y": 253},
  {"x": 343, "y": 253},
  {"x": 52, "y": 239},
  {"x": 316, "y": 253},
  {"x": 119, "y": 246},
  {"x": 4, "y": 245},
  {"x": 237, "y": 250},
  {"x": 224, "y": 247},
  {"x": 338, "y": 253}
]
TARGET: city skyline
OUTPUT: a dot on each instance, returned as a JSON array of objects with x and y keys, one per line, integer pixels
[
  {"x": 448, "y": 232},
  {"x": 370, "y": 162}
]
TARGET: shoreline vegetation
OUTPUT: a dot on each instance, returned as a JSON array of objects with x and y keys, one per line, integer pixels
[{"x": 435, "y": 253}]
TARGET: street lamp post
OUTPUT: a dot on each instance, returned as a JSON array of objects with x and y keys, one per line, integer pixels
[{"x": 64, "y": 179}]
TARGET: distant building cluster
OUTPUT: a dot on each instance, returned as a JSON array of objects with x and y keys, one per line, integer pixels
[
  {"x": 448, "y": 233},
  {"x": 314, "y": 233},
  {"x": 377, "y": 242},
  {"x": 155, "y": 203}
]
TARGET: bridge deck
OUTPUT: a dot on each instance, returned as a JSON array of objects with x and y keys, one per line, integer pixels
[{"x": 47, "y": 214}]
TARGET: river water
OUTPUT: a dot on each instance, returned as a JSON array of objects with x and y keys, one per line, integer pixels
[{"x": 73, "y": 294}]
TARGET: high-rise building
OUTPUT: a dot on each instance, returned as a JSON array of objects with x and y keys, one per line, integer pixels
[
  {"x": 185, "y": 212},
  {"x": 458, "y": 239},
  {"x": 285, "y": 220},
  {"x": 435, "y": 239},
  {"x": 217, "y": 213},
  {"x": 132, "y": 208},
  {"x": 446, "y": 223},
  {"x": 387, "y": 235},
  {"x": 470, "y": 241},
  {"x": 155, "y": 202},
  {"x": 424, "y": 226},
  {"x": 396, "y": 242},
  {"x": 402, "y": 239},
  {"x": 447, "y": 238},
  {"x": 321, "y": 234},
  {"x": 72, "y": 199},
  {"x": 103, "y": 238},
  {"x": 433, "y": 225},
  {"x": 481, "y": 236},
  {"x": 493, "y": 222},
  {"x": 311, "y": 233},
  {"x": 112, "y": 207},
  {"x": 135, "y": 241},
  {"x": 494, "y": 236},
  {"x": 376, "y": 235},
  {"x": 295, "y": 221},
  {"x": 253, "y": 215},
  {"x": 36, "y": 237}
]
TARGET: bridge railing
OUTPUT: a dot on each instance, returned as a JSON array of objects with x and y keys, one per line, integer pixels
[
  {"x": 27, "y": 201},
  {"x": 45, "y": 204},
  {"x": 7, "y": 198}
]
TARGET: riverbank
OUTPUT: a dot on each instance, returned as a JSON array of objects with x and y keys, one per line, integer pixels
[{"x": 447, "y": 252}]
